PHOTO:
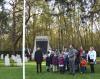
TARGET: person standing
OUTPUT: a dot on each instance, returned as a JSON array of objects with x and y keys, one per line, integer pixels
[
  {"x": 51, "y": 60},
  {"x": 81, "y": 51},
  {"x": 48, "y": 62},
  {"x": 66, "y": 60},
  {"x": 83, "y": 65},
  {"x": 61, "y": 63},
  {"x": 91, "y": 58},
  {"x": 72, "y": 56},
  {"x": 39, "y": 59},
  {"x": 55, "y": 62}
]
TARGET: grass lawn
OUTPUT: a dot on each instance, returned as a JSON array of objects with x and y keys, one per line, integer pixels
[
  {"x": 10, "y": 72},
  {"x": 98, "y": 58},
  {"x": 16, "y": 73},
  {"x": 31, "y": 73}
]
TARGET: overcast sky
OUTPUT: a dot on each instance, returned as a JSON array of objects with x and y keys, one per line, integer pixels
[
  {"x": 7, "y": 5},
  {"x": 51, "y": 4}
]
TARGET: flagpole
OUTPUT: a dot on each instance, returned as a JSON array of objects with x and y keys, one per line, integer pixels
[{"x": 23, "y": 40}]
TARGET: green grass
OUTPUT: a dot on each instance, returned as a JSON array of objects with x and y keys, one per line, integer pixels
[
  {"x": 10, "y": 72},
  {"x": 31, "y": 73},
  {"x": 98, "y": 58},
  {"x": 16, "y": 73}
]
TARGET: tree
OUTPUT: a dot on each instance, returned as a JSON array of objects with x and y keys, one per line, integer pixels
[{"x": 11, "y": 26}]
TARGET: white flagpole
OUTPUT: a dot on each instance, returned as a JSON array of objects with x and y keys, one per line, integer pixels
[{"x": 23, "y": 41}]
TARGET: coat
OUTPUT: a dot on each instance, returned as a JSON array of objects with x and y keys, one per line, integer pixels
[
  {"x": 72, "y": 54},
  {"x": 47, "y": 61},
  {"x": 55, "y": 60},
  {"x": 38, "y": 56},
  {"x": 61, "y": 60},
  {"x": 83, "y": 63}
]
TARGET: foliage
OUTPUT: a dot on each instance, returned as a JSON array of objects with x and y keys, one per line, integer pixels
[
  {"x": 11, "y": 25},
  {"x": 65, "y": 22}
]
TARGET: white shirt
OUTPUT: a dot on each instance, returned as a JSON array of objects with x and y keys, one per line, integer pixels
[{"x": 92, "y": 55}]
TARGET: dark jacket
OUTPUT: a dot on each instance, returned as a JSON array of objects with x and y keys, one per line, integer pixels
[
  {"x": 55, "y": 60},
  {"x": 51, "y": 58},
  {"x": 61, "y": 60},
  {"x": 38, "y": 56},
  {"x": 47, "y": 61}
]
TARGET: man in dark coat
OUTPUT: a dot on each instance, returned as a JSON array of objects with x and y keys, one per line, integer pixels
[{"x": 39, "y": 59}]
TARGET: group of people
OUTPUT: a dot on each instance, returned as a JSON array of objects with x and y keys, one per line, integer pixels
[{"x": 69, "y": 59}]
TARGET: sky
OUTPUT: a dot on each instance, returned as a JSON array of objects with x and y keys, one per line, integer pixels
[
  {"x": 51, "y": 4},
  {"x": 7, "y": 5}
]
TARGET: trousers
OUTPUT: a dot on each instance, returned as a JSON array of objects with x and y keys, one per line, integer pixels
[
  {"x": 39, "y": 68},
  {"x": 72, "y": 66}
]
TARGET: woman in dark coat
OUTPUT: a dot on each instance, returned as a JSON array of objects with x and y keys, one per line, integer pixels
[{"x": 39, "y": 59}]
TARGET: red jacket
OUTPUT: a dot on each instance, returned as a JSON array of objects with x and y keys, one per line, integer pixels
[{"x": 83, "y": 63}]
